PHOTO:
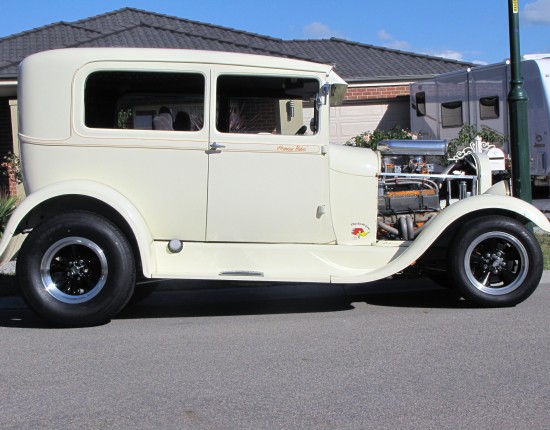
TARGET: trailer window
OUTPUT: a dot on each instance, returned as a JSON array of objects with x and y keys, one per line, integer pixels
[
  {"x": 451, "y": 114},
  {"x": 266, "y": 104},
  {"x": 420, "y": 104},
  {"x": 144, "y": 100},
  {"x": 489, "y": 107}
]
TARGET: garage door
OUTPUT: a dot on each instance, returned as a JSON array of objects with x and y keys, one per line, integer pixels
[{"x": 352, "y": 119}]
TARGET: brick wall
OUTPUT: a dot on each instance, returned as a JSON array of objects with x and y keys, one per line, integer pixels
[
  {"x": 376, "y": 93},
  {"x": 11, "y": 187}
]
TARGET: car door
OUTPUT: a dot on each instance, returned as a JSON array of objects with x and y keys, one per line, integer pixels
[
  {"x": 146, "y": 125},
  {"x": 268, "y": 172}
]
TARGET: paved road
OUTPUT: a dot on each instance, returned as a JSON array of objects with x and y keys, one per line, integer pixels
[{"x": 283, "y": 357}]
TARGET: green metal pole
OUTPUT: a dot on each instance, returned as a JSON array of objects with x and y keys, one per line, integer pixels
[{"x": 517, "y": 101}]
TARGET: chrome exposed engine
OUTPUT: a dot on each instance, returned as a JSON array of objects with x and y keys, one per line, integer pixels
[
  {"x": 405, "y": 205},
  {"x": 413, "y": 188}
]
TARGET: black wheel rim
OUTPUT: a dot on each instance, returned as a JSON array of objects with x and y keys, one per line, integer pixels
[
  {"x": 74, "y": 270},
  {"x": 496, "y": 263}
]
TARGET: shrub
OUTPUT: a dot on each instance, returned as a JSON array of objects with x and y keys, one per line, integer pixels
[
  {"x": 11, "y": 166},
  {"x": 370, "y": 139},
  {"x": 468, "y": 133},
  {"x": 7, "y": 206}
]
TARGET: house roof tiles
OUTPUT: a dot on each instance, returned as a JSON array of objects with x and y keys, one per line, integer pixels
[
  {"x": 357, "y": 61},
  {"x": 130, "y": 27}
]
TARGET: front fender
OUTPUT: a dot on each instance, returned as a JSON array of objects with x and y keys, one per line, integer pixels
[
  {"x": 437, "y": 225},
  {"x": 12, "y": 238}
]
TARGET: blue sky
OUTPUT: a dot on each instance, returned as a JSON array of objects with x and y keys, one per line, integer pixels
[{"x": 469, "y": 30}]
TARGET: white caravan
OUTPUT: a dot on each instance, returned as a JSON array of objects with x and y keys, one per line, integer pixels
[
  {"x": 478, "y": 96},
  {"x": 142, "y": 165}
]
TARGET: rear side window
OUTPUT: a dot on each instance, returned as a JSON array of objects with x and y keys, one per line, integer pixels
[
  {"x": 144, "y": 100},
  {"x": 266, "y": 104},
  {"x": 489, "y": 107},
  {"x": 451, "y": 114}
]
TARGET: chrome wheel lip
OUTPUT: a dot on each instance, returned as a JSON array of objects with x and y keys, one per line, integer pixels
[
  {"x": 520, "y": 274},
  {"x": 46, "y": 270}
]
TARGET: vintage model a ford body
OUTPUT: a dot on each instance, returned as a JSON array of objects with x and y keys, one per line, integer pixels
[{"x": 173, "y": 164}]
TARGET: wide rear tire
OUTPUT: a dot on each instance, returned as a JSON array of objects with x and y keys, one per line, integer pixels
[{"x": 76, "y": 269}]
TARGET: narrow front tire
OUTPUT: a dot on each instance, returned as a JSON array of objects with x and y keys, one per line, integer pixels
[{"x": 495, "y": 261}]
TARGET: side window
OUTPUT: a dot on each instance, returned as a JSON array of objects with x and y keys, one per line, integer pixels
[
  {"x": 420, "y": 104},
  {"x": 451, "y": 114},
  {"x": 265, "y": 104},
  {"x": 489, "y": 107},
  {"x": 144, "y": 100}
]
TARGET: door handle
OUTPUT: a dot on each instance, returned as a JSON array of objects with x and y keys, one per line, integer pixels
[{"x": 216, "y": 146}]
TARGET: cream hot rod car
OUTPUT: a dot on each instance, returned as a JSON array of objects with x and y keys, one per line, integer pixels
[{"x": 173, "y": 164}]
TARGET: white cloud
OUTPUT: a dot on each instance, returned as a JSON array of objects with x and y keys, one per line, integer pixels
[
  {"x": 449, "y": 53},
  {"x": 384, "y": 35},
  {"x": 392, "y": 43},
  {"x": 453, "y": 55},
  {"x": 537, "y": 12},
  {"x": 399, "y": 44},
  {"x": 318, "y": 30}
]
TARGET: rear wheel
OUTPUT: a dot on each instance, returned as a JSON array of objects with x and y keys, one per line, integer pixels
[
  {"x": 496, "y": 261},
  {"x": 76, "y": 269}
]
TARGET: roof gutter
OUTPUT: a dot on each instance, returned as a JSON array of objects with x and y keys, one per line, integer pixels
[
  {"x": 8, "y": 88},
  {"x": 381, "y": 79}
]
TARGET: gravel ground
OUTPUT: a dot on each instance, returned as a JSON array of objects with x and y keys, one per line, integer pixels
[
  {"x": 8, "y": 268},
  {"x": 8, "y": 283}
]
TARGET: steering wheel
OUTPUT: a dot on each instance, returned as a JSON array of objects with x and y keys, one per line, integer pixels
[{"x": 302, "y": 130}]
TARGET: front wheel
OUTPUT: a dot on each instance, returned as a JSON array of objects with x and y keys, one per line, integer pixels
[
  {"x": 495, "y": 261},
  {"x": 76, "y": 269}
]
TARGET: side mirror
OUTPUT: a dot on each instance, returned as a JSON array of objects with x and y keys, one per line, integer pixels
[
  {"x": 325, "y": 89},
  {"x": 322, "y": 96}
]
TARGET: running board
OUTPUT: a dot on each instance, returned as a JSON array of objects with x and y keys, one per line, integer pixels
[{"x": 242, "y": 273}]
